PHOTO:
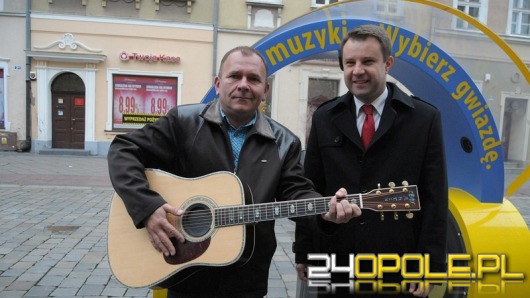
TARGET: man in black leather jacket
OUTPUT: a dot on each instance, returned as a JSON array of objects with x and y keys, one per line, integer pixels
[{"x": 228, "y": 134}]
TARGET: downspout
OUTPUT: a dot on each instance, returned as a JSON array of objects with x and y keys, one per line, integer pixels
[
  {"x": 215, "y": 33},
  {"x": 26, "y": 145}
]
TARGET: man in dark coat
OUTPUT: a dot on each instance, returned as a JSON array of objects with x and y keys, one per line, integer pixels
[{"x": 406, "y": 146}]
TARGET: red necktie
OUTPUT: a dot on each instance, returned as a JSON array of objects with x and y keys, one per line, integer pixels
[{"x": 368, "y": 125}]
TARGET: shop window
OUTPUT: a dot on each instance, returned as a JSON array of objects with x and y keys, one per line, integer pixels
[{"x": 138, "y": 100}]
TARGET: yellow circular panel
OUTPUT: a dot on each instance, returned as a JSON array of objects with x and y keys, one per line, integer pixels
[{"x": 498, "y": 234}]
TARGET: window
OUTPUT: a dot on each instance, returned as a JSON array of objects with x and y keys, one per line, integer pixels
[
  {"x": 520, "y": 19},
  {"x": 318, "y": 3},
  {"x": 265, "y": 15},
  {"x": 138, "y": 100},
  {"x": 475, "y": 8},
  {"x": 319, "y": 91},
  {"x": 387, "y": 6},
  {"x": 263, "y": 18}
]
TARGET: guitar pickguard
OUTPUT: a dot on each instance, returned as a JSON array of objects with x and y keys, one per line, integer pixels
[{"x": 186, "y": 251}]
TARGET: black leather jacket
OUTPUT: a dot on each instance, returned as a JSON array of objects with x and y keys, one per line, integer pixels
[{"x": 192, "y": 141}]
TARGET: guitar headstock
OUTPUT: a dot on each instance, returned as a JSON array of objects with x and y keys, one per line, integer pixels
[{"x": 400, "y": 198}]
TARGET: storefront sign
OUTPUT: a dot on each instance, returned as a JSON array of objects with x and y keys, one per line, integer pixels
[{"x": 125, "y": 56}]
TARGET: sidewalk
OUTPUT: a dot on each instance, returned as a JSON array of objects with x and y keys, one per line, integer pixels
[{"x": 53, "y": 225}]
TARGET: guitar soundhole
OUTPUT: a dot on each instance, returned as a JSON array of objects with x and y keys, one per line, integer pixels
[{"x": 197, "y": 220}]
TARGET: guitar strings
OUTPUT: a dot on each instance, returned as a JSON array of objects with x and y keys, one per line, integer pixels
[{"x": 233, "y": 215}]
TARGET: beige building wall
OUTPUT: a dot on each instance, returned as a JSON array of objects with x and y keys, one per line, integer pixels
[
  {"x": 13, "y": 63},
  {"x": 189, "y": 31},
  {"x": 501, "y": 81},
  {"x": 105, "y": 39}
]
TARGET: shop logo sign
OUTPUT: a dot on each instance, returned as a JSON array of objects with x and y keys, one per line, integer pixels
[{"x": 150, "y": 58}]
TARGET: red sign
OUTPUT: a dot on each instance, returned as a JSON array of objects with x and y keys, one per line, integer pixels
[{"x": 79, "y": 101}]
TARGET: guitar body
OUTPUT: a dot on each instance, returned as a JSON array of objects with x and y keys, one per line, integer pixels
[
  {"x": 133, "y": 260},
  {"x": 217, "y": 225}
]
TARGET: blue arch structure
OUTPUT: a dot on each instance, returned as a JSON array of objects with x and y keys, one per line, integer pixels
[
  {"x": 474, "y": 155},
  {"x": 473, "y": 149}
]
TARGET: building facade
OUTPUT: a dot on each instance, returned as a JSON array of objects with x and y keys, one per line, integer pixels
[
  {"x": 13, "y": 75},
  {"x": 98, "y": 68}
]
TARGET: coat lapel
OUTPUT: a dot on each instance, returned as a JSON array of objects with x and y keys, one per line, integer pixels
[
  {"x": 343, "y": 118},
  {"x": 395, "y": 96},
  {"x": 388, "y": 117}
]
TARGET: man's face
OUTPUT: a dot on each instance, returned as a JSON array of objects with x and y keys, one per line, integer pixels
[
  {"x": 241, "y": 86},
  {"x": 364, "y": 68}
]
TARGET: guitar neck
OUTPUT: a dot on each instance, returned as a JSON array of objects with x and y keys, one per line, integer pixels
[{"x": 237, "y": 215}]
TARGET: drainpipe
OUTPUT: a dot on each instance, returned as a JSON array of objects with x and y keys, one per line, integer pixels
[
  {"x": 215, "y": 33},
  {"x": 26, "y": 145}
]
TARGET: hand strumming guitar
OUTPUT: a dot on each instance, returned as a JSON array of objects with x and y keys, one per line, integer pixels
[{"x": 160, "y": 230}]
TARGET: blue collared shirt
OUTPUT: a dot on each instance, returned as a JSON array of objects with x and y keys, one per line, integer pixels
[{"x": 237, "y": 136}]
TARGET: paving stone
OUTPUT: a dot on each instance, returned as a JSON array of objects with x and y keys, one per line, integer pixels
[{"x": 53, "y": 236}]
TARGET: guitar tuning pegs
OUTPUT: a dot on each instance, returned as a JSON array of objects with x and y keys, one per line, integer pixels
[
  {"x": 396, "y": 217},
  {"x": 378, "y": 189},
  {"x": 409, "y": 215},
  {"x": 391, "y": 185},
  {"x": 405, "y": 183},
  {"x": 382, "y": 216}
]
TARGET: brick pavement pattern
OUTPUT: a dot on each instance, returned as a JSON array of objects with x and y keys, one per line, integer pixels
[{"x": 53, "y": 224}]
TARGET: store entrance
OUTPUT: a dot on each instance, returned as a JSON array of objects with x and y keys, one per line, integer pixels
[{"x": 68, "y": 112}]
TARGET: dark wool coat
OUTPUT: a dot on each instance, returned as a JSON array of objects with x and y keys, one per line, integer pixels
[{"x": 407, "y": 146}]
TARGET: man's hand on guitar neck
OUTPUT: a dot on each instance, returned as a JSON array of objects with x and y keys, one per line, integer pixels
[
  {"x": 341, "y": 211},
  {"x": 160, "y": 230}
]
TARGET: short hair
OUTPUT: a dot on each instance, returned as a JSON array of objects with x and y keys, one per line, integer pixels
[
  {"x": 364, "y": 32},
  {"x": 245, "y": 51}
]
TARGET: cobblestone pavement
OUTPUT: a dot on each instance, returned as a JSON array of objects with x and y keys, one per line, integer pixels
[{"x": 53, "y": 224}]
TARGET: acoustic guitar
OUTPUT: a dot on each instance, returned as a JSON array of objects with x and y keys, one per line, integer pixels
[{"x": 213, "y": 223}]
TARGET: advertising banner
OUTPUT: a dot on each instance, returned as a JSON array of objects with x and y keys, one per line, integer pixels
[{"x": 141, "y": 99}]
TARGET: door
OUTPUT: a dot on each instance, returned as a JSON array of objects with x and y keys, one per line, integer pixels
[{"x": 68, "y": 121}]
